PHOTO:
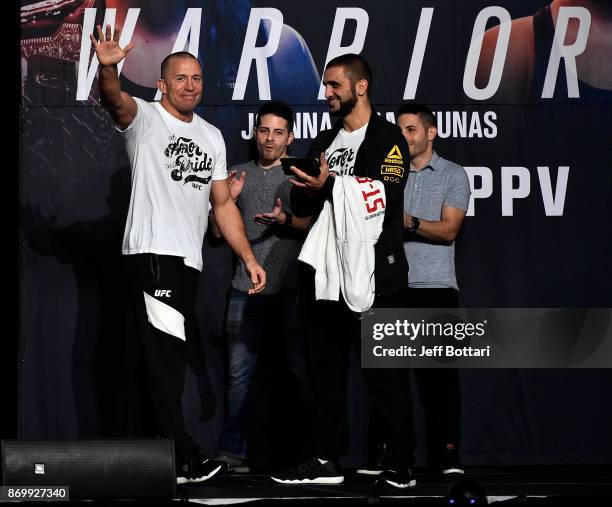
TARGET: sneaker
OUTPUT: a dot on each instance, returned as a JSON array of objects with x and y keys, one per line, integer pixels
[
  {"x": 449, "y": 463},
  {"x": 235, "y": 465},
  {"x": 399, "y": 477},
  {"x": 197, "y": 470},
  {"x": 312, "y": 472},
  {"x": 377, "y": 461}
]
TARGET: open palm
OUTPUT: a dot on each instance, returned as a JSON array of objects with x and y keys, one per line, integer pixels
[
  {"x": 107, "y": 46},
  {"x": 236, "y": 183}
]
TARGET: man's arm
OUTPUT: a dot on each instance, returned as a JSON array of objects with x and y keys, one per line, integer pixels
[
  {"x": 231, "y": 227},
  {"x": 121, "y": 106},
  {"x": 236, "y": 184},
  {"x": 454, "y": 208},
  {"x": 444, "y": 230},
  {"x": 212, "y": 223}
]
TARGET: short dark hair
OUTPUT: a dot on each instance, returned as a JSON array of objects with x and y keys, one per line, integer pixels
[
  {"x": 277, "y": 108},
  {"x": 423, "y": 112},
  {"x": 179, "y": 54},
  {"x": 355, "y": 67}
]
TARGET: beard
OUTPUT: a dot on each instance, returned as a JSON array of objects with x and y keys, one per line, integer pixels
[
  {"x": 347, "y": 106},
  {"x": 269, "y": 156},
  {"x": 417, "y": 149}
]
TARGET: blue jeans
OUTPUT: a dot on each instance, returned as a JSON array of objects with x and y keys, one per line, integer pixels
[{"x": 249, "y": 320}]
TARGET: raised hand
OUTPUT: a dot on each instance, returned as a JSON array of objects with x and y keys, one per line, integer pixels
[
  {"x": 275, "y": 217},
  {"x": 107, "y": 46},
  {"x": 236, "y": 184}
]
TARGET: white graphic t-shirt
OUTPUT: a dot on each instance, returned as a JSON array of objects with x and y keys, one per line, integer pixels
[
  {"x": 173, "y": 163},
  {"x": 342, "y": 152}
]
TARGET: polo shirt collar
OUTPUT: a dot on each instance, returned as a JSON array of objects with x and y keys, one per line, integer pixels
[{"x": 433, "y": 161}]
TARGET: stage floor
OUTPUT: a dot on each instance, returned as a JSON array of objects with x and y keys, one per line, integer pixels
[
  {"x": 501, "y": 484},
  {"x": 576, "y": 486}
]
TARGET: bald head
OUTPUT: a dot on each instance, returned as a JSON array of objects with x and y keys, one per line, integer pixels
[{"x": 165, "y": 65}]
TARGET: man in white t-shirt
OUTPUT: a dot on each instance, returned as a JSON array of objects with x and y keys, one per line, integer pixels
[{"x": 178, "y": 165}]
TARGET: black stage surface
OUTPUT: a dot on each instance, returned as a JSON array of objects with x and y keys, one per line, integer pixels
[{"x": 551, "y": 485}]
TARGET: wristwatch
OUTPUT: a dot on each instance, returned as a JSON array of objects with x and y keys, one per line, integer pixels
[{"x": 414, "y": 224}]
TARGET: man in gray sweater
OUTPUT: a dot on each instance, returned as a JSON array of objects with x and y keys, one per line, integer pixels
[{"x": 259, "y": 186}]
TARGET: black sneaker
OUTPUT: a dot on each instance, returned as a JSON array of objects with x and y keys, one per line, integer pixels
[
  {"x": 235, "y": 465},
  {"x": 377, "y": 461},
  {"x": 450, "y": 463},
  {"x": 312, "y": 472},
  {"x": 197, "y": 470},
  {"x": 398, "y": 477}
]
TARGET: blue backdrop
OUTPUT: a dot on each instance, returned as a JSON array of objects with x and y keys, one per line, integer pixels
[{"x": 523, "y": 101}]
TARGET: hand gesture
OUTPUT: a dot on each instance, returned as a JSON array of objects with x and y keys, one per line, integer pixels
[
  {"x": 236, "y": 184},
  {"x": 257, "y": 275},
  {"x": 275, "y": 217},
  {"x": 107, "y": 47},
  {"x": 312, "y": 182}
]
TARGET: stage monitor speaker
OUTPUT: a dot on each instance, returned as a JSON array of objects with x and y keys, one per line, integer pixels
[{"x": 93, "y": 469}]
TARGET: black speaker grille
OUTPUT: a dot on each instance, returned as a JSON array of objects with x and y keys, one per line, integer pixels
[{"x": 93, "y": 468}]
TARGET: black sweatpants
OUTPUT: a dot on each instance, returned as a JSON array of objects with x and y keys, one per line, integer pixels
[
  {"x": 333, "y": 330},
  {"x": 162, "y": 297},
  {"x": 439, "y": 388}
]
